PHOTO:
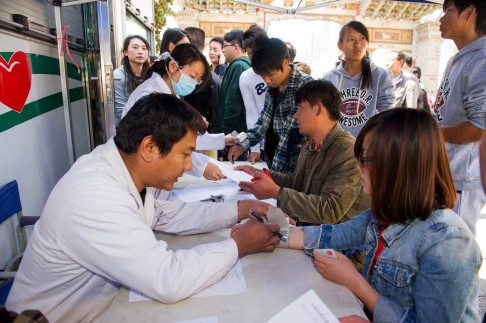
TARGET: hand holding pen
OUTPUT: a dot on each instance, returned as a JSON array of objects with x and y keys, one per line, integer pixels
[{"x": 260, "y": 219}]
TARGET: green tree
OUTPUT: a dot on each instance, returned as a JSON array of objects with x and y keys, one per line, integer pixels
[{"x": 161, "y": 11}]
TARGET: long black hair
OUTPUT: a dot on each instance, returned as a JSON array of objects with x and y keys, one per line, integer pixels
[
  {"x": 366, "y": 79},
  {"x": 131, "y": 79},
  {"x": 171, "y": 35}
]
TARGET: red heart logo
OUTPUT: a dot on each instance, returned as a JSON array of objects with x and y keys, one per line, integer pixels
[{"x": 15, "y": 80}]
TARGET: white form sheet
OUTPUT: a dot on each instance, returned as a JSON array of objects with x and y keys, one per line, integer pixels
[
  {"x": 195, "y": 193},
  {"x": 228, "y": 171},
  {"x": 232, "y": 283},
  {"x": 308, "y": 308}
]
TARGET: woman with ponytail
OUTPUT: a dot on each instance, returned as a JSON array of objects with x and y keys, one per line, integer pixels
[
  {"x": 366, "y": 89},
  {"x": 132, "y": 72}
]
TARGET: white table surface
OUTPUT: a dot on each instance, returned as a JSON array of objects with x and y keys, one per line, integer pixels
[
  {"x": 273, "y": 280},
  {"x": 186, "y": 180}
]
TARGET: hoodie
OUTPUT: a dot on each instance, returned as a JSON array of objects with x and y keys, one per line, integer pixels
[
  {"x": 360, "y": 105},
  {"x": 462, "y": 97}
]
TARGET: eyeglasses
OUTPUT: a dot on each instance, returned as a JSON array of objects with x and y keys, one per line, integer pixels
[
  {"x": 363, "y": 160},
  {"x": 226, "y": 45}
]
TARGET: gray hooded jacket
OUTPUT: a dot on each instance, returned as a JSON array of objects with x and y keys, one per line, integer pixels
[
  {"x": 358, "y": 106},
  {"x": 462, "y": 97}
]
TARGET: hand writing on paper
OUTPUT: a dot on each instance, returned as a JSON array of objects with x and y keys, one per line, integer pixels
[
  {"x": 244, "y": 207},
  {"x": 213, "y": 172},
  {"x": 263, "y": 188},
  {"x": 253, "y": 236}
]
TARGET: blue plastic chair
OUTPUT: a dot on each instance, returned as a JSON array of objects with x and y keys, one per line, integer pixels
[{"x": 10, "y": 206}]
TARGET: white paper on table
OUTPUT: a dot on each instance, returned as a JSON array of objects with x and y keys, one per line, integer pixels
[
  {"x": 308, "y": 308},
  {"x": 233, "y": 283},
  {"x": 209, "y": 319},
  {"x": 195, "y": 193},
  {"x": 228, "y": 171},
  {"x": 228, "y": 182}
]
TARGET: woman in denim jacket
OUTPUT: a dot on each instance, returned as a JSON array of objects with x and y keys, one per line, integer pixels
[{"x": 422, "y": 260}]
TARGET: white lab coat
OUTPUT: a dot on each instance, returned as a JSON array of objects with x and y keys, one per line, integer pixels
[
  {"x": 205, "y": 141},
  {"x": 95, "y": 235}
]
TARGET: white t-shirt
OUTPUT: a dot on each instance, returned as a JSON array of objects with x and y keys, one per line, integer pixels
[{"x": 253, "y": 90}]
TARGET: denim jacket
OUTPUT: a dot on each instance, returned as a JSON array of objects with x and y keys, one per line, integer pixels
[{"x": 427, "y": 272}]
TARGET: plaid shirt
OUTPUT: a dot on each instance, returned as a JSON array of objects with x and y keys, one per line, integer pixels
[{"x": 283, "y": 123}]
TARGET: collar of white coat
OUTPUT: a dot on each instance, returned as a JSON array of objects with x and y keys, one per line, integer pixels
[{"x": 147, "y": 209}]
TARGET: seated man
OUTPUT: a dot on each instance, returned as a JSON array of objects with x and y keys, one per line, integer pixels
[
  {"x": 95, "y": 233},
  {"x": 276, "y": 123},
  {"x": 325, "y": 187}
]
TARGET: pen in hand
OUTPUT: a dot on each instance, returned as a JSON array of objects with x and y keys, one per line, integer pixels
[{"x": 260, "y": 219}]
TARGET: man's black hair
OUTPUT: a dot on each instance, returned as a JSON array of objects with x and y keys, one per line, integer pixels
[
  {"x": 408, "y": 59},
  {"x": 252, "y": 34},
  {"x": 269, "y": 55},
  {"x": 197, "y": 37},
  {"x": 416, "y": 70},
  {"x": 292, "y": 51},
  {"x": 235, "y": 37},
  {"x": 164, "y": 117},
  {"x": 321, "y": 91},
  {"x": 480, "y": 6},
  {"x": 218, "y": 40}
]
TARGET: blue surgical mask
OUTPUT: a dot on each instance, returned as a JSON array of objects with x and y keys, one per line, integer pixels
[{"x": 185, "y": 86}]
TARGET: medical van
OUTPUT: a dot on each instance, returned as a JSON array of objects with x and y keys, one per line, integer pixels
[{"x": 56, "y": 89}]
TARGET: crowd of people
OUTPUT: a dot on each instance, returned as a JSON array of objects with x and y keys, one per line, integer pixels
[{"x": 359, "y": 161}]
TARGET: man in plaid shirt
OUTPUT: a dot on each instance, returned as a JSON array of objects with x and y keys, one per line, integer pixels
[{"x": 276, "y": 123}]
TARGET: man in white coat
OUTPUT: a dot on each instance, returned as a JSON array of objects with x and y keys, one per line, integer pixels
[{"x": 95, "y": 233}]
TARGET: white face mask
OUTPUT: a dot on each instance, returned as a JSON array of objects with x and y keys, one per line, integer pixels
[{"x": 185, "y": 86}]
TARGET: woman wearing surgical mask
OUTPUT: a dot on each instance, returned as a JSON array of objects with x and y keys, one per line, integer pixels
[{"x": 178, "y": 73}]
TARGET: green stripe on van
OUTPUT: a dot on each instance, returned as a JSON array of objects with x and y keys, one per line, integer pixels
[
  {"x": 11, "y": 119},
  {"x": 42, "y": 64}
]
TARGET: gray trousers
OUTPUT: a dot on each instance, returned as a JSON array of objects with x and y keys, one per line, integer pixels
[{"x": 469, "y": 205}]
